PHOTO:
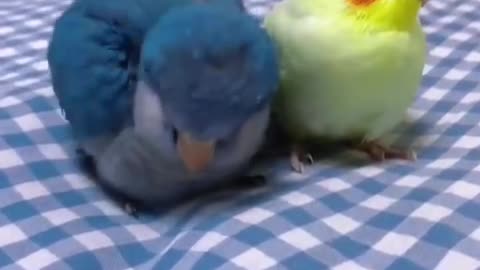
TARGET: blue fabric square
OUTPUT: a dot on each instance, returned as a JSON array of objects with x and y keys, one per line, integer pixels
[
  {"x": 83, "y": 261},
  {"x": 452, "y": 174},
  {"x": 254, "y": 235},
  {"x": 4, "y": 180},
  {"x": 39, "y": 104},
  {"x": 420, "y": 194},
  {"x": 371, "y": 186},
  {"x": 5, "y": 260},
  {"x": 135, "y": 254},
  {"x": 169, "y": 259},
  {"x": 297, "y": 216},
  {"x": 43, "y": 169},
  {"x": 348, "y": 247},
  {"x": 61, "y": 134},
  {"x": 70, "y": 198},
  {"x": 404, "y": 264},
  {"x": 303, "y": 261},
  {"x": 17, "y": 140},
  {"x": 386, "y": 221},
  {"x": 19, "y": 211},
  {"x": 470, "y": 209},
  {"x": 443, "y": 235},
  {"x": 336, "y": 202},
  {"x": 98, "y": 222},
  {"x": 209, "y": 261},
  {"x": 49, "y": 237}
]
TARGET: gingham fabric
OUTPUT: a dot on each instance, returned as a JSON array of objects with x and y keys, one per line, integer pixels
[{"x": 342, "y": 214}]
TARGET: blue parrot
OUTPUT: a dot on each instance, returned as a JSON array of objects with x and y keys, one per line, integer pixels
[{"x": 168, "y": 97}]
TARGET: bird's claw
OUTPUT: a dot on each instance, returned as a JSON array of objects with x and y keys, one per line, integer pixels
[
  {"x": 380, "y": 152},
  {"x": 130, "y": 209},
  {"x": 298, "y": 159}
]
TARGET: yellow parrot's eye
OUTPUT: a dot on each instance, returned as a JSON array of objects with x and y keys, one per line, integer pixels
[{"x": 361, "y": 2}]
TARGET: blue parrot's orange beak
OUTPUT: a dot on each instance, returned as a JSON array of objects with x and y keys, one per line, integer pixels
[{"x": 196, "y": 155}]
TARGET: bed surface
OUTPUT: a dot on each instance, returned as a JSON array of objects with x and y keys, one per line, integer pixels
[{"x": 341, "y": 214}]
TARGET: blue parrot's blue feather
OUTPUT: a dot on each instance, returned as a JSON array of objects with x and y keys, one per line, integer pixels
[
  {"x": 92, "y": 46},
  {"x": 216, "y": 77}
]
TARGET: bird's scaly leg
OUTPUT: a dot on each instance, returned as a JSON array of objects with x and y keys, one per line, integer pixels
[
  {"x": 379, "y": 152},
  {"x": 298, "y": 158}
]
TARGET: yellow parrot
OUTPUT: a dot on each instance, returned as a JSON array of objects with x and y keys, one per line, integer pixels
[{"x": 349, "y": 71}]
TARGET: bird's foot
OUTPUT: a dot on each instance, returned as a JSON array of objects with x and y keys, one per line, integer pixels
[
  {"x": 379, "y": 152},
  {"x": 298, "y": 159},
  {"x": 130, "y": 209},
  {"x": 88, "y": 164}
]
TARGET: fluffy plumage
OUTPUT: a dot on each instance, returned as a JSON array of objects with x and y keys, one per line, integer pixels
[
  {"x": 136, "y": 78},
  {"x": 356, "y": 75}
]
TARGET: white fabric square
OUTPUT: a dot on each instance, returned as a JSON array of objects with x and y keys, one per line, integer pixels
[
  {"x": 142, "y": 232},
  {"x": 52, "y": 151},
  {"x": 456, "y": 74},
  {"x": 473, "y": 57},
  {"x": 29, "y": 122},
  {"x": 297, "y": 198},
  {"x": 464, "y": 189},
  {"x": 434, "y": 94},
  {"x": 254, "y": 259},
  {"x": 4, "y": 30},
  {"x": 60, "y": 216},
  {"x": 369, "y": 171},
  {"x": 431, "y": 212},
  {"x": 300, "y": 239},
  {"x": 94, "y": 240},
  {"x": 468, "y": 142},
  {"x": 457, "y": 260},
  {"x": 208, "y": 241},
  {"x": 78, "y": 181},
  {"x": 443, "y": 163},
  {"x": 334, "y": 184},
  {"x": 10, "y": 234},
  {"x": 395, "y": 244},
  {"x": 7, "y": 52},
  {"x": 38, "y": 260},
  {"x": 350, "y": 265},
  {"x": 31, "y": 190},
  {"x": 461, "y": 36},
  {"x": 341, "y": 223},
  {"x": 33, "y": 23},
  {"x": 9, "y": 101},
  {"x": 451, "y": 118},
  {"x": 39, "y": 44},
  {"x": 109, "y": 208},
  {"x": 411, "y": 181},
  {"x": 472, "y": 97},
  {"x": 378, "y": 202},
  {"x": 441, "y": 51},
  {"x": 9, "y": 159},
  {"x": 254, "y": 215},
  {"x": 41, "y": 65},
  {"x": 26, "y": 82}
]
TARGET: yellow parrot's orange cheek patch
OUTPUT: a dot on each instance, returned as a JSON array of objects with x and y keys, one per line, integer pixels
[{"x": 361, "y": 3}]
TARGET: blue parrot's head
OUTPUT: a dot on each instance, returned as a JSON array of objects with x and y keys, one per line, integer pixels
[{"x": 213, "y": 70}]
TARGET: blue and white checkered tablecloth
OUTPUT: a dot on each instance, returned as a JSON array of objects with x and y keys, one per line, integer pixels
[{"x": 341, "y": 214}]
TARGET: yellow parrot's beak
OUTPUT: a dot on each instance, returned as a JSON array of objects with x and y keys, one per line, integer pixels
[{"x": 195, "y": 154}]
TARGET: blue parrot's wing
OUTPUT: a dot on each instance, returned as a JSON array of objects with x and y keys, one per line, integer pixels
[{"x": 89, "y": 55}]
